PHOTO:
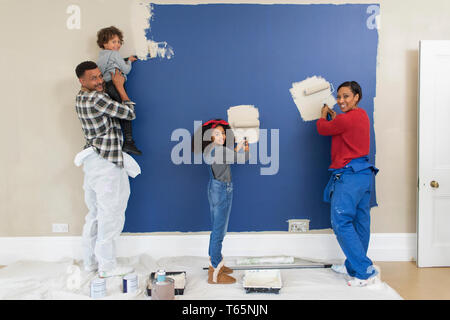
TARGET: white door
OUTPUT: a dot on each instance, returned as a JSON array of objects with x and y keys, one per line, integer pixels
[{"x": 433, "y": 223}]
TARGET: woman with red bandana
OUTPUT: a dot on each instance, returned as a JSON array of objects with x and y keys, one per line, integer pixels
[{"x": 351, "y": 183}]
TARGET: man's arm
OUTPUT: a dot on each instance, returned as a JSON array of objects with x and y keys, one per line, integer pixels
[
  {"x": 104, "y": 104},
  {"x": 114, "y": 109}
]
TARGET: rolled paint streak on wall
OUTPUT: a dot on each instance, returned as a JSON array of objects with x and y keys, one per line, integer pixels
[
  {"x": 141, "y": 15},
  {"x": 244, "y": 121},
  {"x": 310, "y": 95}
]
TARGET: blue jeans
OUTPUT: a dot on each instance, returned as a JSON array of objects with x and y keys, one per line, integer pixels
[
  {"x": 350, "y": 218},
  {"x": 220, "y": 196}
]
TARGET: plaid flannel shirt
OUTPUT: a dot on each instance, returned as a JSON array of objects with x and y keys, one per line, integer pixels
[{"x": 99, "y": 116}]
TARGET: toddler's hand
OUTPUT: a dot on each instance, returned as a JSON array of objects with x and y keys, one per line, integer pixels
[{"x": 132, "y": 58}]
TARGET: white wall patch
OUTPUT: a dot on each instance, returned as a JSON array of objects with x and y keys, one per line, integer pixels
[
  {"x": 310, "y": 95},
  {"x": 244, "y": 120},
  {"x": 141, "y": 15}
]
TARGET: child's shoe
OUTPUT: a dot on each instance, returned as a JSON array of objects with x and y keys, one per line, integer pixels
[
  {"x": 225, "y": 269},
  {"x": 130, "y": 147},
  {"x": 218, "y": 276}
]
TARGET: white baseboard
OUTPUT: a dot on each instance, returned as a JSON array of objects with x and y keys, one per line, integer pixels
[{"x": 383, "y": 246}]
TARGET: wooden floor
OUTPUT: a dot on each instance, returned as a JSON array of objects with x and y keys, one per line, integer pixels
[{"x": 414, "y": 283}]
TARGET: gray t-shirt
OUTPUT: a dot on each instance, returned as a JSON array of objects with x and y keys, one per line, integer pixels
[{"x": 220, "y": 158}]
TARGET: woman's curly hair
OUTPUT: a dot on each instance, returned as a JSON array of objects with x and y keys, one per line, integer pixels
[{"x": 205, "y": 131}]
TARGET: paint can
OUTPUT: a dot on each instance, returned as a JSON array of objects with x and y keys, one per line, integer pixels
[
  {"x": 160, "y": 275},
  {"x": 98, "y": 288},
  {"x": 163, "y": 288},
  {"x": 130, "y": 283}
]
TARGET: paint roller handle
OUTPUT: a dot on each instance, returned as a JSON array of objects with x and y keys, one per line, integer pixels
[
  {"x": 242, "y": 144},
  {"x": 131, "y": 58},
  {"x": 246, "y": 144},
  {"x": 327, "y": 113}
]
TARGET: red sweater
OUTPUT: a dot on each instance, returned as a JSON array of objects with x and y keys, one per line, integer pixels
[{"x": 350, "y": 133}]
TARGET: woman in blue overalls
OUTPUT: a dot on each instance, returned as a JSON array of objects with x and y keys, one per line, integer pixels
[
  {"x": 351, "y": 183},
  {"x": 220, "y": 192}
]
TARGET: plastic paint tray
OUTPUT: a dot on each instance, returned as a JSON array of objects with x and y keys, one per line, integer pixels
[
  {"x": 266, "y": 281},
  {"x": 179, "y": 287}
]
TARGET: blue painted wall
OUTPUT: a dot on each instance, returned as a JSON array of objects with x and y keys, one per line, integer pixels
[{"x": 227, "y": 55}]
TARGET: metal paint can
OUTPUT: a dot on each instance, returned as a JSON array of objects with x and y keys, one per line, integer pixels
[
  {"x": 98, "y": 288},
  {"x": 130, "y": 283}
]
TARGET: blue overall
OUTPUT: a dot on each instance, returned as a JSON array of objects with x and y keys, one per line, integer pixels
[
  {"x": 349, "y": 191},
  {"x": 220, "y": 196}
]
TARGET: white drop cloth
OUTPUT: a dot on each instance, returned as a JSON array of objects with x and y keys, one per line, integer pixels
[{"x": 55, "y": 280}]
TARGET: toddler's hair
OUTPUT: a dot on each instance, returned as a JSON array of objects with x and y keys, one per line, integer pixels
[{"x": 106, "y": 34}]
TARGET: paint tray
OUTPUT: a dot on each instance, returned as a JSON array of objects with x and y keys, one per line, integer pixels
[
  {"x": 179, "y": 278},
  {"x": 265, "y": 281}
]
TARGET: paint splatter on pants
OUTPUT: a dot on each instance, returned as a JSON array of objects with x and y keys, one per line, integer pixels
[
  {"x": 350, "y": 219},
  {"x": 106, "y": 189}
]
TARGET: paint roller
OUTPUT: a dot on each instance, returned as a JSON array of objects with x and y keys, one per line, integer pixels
[
  {"x": 318, "y": 88},
  {"x": 265, "y": 260},
  {"x": 245, "y": 124}
]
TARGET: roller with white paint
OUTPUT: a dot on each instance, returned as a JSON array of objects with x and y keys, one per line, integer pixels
[
  {"x": 317, "y": 88},
  {"x": 265, "y": 260},
  {"x": 274, "y": 262},
  {"x": 310, "y": 95},
  {"x": 244, "y": 121},
  {"x": 245, "y": 124}
]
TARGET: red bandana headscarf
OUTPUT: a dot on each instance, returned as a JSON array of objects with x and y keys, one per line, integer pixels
[{"x": 216, "y": 123}]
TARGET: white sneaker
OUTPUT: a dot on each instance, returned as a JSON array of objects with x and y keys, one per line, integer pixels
[
  {"x": 118, "y": 271},
  {"x": 339, "y": 268},
  {"x": 375, "y": 278}
]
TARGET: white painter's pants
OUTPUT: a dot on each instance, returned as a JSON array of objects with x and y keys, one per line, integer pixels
[{"x": 106, "y": 190}]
